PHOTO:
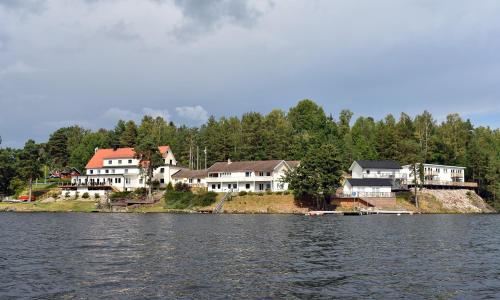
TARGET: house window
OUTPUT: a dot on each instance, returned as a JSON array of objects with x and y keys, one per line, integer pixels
[
  {"x": 127, "y": 180},
  {"x": 190, "y": 180},
  {"x": 110, "y": 162},
  {"x": 218, "y": 186},
  {"x": 199, "y": 180},
  {"x": 247, "y": 186},
  {"x": 268, "y": 186},
  {"x": 213, "y": 186},
  {"x": 126, "y": 171},
  {"x": 98, "y": 171},
  {"x": 248, "y": 174},
  {"x": 91, "y": 171},
  {"x": 119, "y": 161},
  {"x": 170, "y": 161},
  {"x": 268, "y": 174},
  {"x": 129, "y": 161},
  {"x": 113, "y": 171},
  {"x": 235, "y": 186},
  {"x": 367, "y": 171},
  {"x": 229, "y": 186},
  {"x": 213, "y": 175},
  {"x": 261, "y": 186},
  {"x": 162, "y": 181},
  {"x": 261, "y": 173},
  {"x": 162, "y": 170},
  {"x": 107, "y": 171}
]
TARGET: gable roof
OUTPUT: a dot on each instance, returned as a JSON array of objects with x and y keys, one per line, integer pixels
[
  {"x": 97, "y": 161},
  {"x": 242, "y": 166},
  {"x": 370, "y": 181},
  {"x": 378, "y": 164},
  {"x": 293, "y": 163},
  {"x": 186, "y": 173}
]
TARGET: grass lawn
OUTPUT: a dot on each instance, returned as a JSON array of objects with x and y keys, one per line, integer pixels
[
  {"x": 61, "y": 206},
  {"x": 261, "y": 204}
]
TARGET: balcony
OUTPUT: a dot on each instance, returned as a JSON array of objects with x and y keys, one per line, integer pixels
[{"x": 445, "y": 183}]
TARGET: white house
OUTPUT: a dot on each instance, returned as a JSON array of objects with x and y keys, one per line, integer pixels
[
  {"x": 436, "y": 173},
  {"x": 372, "y": 178},
  {"x": 118, "y": 169},
  {"x": 249, "y": 176},
  {"x": 375, "y": 169},
  {"x": 368, "y": 187},
  {"x": 193, "y": 178}
]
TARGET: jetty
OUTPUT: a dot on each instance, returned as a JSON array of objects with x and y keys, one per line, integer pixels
[{"x": 361, "y": 212}]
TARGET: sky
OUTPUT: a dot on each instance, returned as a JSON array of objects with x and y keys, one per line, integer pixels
[{"x": 93, "y": 62}]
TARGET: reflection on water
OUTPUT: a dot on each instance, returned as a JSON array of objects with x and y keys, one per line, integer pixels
[{"x": 248, "y": 256}]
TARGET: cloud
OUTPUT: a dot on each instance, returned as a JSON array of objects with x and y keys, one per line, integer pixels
[
  {"x": 203, "y": 16},
  {"x": 18, "y": 68},
  {"x": 195, "y": 113},
  {"x": 23, "y": 5},
  {"x": 114, "y": 114},
  {"x": 156, "y": 113}
]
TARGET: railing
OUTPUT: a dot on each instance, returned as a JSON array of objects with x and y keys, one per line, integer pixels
[
  {"x": 444, "y": 183},
  {"x": 220, "y": 204},
  {"x": 382, "y": 175},
  {"x": 368, "y": 195}
]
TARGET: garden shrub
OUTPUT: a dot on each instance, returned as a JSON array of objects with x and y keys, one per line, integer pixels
[
  {"x": 242, "y": 193},
  {"x": 85, "y": 195},
  {"x": 97, "y": 196}
]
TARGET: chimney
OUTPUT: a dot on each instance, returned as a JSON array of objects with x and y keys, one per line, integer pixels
[
  {"x": 228, "y": 161},
  {"x": 95, "y": 150}
]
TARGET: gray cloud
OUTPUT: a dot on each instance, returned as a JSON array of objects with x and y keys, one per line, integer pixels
[{"x": 23, "y": 5}]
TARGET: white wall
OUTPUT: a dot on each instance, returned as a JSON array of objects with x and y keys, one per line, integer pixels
[{"x": 437, "y": 173}]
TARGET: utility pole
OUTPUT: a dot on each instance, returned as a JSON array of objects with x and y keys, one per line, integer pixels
[
  {"x": 205, "y": 151},
  {"x": 190, "y": 157},
  {"x": 197, "y": 157}
]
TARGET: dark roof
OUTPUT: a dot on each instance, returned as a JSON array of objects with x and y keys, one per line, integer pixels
[
  {"x": 242, "y": 166},
  {"x": 370, "y": 181},
  {"x": 186, "y": 173},
  {"x": 379, "y": 164}
]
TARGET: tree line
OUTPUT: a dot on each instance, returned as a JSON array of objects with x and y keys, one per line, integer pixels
[{"x": 291, "y": 135}]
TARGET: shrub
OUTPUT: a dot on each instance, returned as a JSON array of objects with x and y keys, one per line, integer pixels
[
  {"x": 140, "y": 192},
  {"x": 260, "y": 194},
  {"x": 182, "y": 187},
  {"x": 170, "y": 187},
  {"x": 97, "y": 196},
  {"x": 85, "y": 195},
  {"x": 269, "y": 192},
  {"x": 242, "y": 193},
  {"x": 287, "y": 192},
  {"x": 279, "y": 193},
  {"x": 77, "y": 194},
  {"x": 67, "y": 195}
]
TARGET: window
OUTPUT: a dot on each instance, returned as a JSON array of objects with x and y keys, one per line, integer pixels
[
  {"x": 170, "y": 161},
  {"x": 213, "y": 186},
  {"x": 367, "y": 171},
  {"x": 98, "y": 171},
  {"x": 113, "y": 171},
  {"x": 127, "y": 180},
  {"x": 213, "y": 175},
  {"x": 261, "y": 173},
  {"x": 162, "y": 170},
  {"x": 91, "y": 171},
  {"x": 268, "y": 186},
  {"x": 110, "y": 162},
  {"x": 218, "y": 186},
  {"x": 190, "y": 180},
  {"x": 268, "y": 174},
  {"x": 107, "y": 171},
  {"x": 247, "y": 186},
  {"x": 261, "y": 186},
  {"x": 126, "y": 171},
  {"x": 235, "y": 186},
  {"x": 229, "y": 186},
  {"x": 119, "y": 161},
  {"x": 199, "y": 180},
  {"x": 129, "y": 161},
  {"x": 248, "y": 174},
  {"x": 162, "y": 181}
]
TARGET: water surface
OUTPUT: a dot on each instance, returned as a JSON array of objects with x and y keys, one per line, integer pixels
[{"x": 158, "y": 256}]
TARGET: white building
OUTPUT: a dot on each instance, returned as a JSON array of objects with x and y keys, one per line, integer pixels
[
  {"x": 193, "y": 178},
  {"x": 436, "y": 173},
  {"x": 372, "y": 178},
  {"x": 118, "y": 169},
  {"x": 368, "y": 187},
  {"x": 249, "y": 176}
]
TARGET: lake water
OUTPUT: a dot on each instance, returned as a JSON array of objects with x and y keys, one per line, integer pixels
[{"x": 158, "y": 256}]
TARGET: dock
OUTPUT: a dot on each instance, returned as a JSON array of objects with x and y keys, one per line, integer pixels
[{"x": 362, "y": 212}]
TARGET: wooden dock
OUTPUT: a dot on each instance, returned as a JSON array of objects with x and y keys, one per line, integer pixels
[{"x": 362, "y": 212}]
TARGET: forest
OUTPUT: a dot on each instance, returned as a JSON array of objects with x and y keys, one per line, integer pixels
[{"x": 291, "y": 135}]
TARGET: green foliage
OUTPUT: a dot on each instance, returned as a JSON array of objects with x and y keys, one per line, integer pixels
[
  {"x": 97, "y": 196},
  {"x": 182, "y": 187},
  {"x": 85, "y": 195},
  {"x": 66, "y": 195},
  {"x": 318, "y": 176},
  {"x": 186, "y": 200},
  {"x": 242, "y": 193},
  {"x": 170, "y": 187}
]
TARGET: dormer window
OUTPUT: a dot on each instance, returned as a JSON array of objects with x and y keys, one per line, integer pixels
[
  {"x": 119, "y": 161},
  {"x": 110, "y": 162}
]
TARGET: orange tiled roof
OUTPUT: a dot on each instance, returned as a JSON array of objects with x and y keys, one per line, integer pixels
[{"x": 97, "y": 161}]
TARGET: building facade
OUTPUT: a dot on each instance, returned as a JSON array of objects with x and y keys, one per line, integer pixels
[
  {"x": 436, "y": 173},
  {"x": 193, "y": 178},
  {"x": 249, "y": 176},
  {"x": 372, "y": 178},
  {"x": 118, "y": 168}
]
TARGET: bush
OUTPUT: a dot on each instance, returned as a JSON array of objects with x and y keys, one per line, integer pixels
[
  {"x": 67, "y": 195},
  {"x": 183, "y": 200},
  {"x": 260, "y": 194},
  {"x": 279, "y": 193},
  {"x": 269, "y": 192},
  {"x": 170, "y": 187},
  {"x": 97, "y": 196},
  {"x": 287, "y": 192},
  {"x": 242, "y": 193},
  {"x": 182, "y": 187},
  {"x": 140, "y": 192},
  {"x": 85, "y": 195},
  {"x": 77, "y": 194}
]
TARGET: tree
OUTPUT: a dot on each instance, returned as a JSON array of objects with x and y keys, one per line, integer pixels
[
  {"x": 318, "y": 176},
  {"x": 129, "y": 135},
  {"x": 150, "y": 158},
  {"x": 57, "y": 148},
  {"x": 8, "y": 169},
  {"x": 29, "y": 164}
]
